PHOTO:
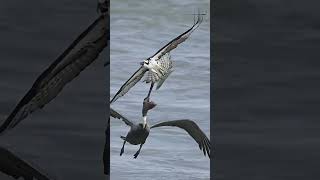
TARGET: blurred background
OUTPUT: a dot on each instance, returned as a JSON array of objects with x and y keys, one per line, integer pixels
[
  {"x": 66, "y": 138},
  {"x": 266, "y": 102}
]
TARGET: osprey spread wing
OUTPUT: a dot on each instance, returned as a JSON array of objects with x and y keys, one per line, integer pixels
[
  {"x": 159, "y": 66},
  {"x": 79, "y": 55}
]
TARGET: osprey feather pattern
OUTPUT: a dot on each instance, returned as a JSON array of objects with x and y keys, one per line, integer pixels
[{"x": 159, "y": 66}]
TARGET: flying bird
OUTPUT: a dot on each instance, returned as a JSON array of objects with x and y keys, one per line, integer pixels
[
  {"x": 78, "y": 56},
  {"x": 139, "y": 132},
  {"x": 159, "y": 66}
]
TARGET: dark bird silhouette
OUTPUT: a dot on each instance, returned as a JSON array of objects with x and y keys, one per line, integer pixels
[
  {"x": 159, "y": 66},
  {"x": 15, "y": 167},
  {"x": 103, "y": 6},
  {"x": 139, "y": 132},
  {"x": 78, "y": 56}
]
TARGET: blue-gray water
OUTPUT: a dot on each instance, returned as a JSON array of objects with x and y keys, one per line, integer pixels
[
  {"x": 139, "y": 29},
  {"x": 66, "y": 138}
]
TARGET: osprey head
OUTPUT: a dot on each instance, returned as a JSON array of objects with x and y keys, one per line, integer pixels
[{"x": 146, "y": 62}]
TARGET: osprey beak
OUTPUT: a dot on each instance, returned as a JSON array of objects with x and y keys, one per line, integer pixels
[{"x": 141, "y": 63}]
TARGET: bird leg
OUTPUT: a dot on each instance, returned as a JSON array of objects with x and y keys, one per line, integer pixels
[
  {"x": 137, "y": 153},
  {"x": 122, "y": 149},
  {"x": 152, "y": 83}
]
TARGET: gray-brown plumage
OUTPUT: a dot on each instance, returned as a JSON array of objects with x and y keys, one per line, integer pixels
[
  {"x": 139, "y": 132},
  {"x": 193, "y": 130}
]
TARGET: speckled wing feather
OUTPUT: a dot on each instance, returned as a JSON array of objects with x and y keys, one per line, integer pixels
[
  {"x": 166, "y": 69},
  {"x": 161, "y": 72},
  {"x": 136, "y": 77},
  {"x": 176, "y": 41},
  {"x": 79, "y": 55},
  {"x": 193, "y": 130}
]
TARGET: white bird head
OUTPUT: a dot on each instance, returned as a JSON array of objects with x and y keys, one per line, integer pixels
[{"x": 145, "y": 62}]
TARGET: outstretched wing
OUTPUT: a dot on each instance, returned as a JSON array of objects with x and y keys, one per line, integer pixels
[
  {"x": 79, "y": 55},
  {"x": 129, "y": 83},
  {"x": 176, "y": 41},
  {"x": 117, "y": 115},
  {"x": 13, "y": 166},
  {"x": 193, "y": 130}
]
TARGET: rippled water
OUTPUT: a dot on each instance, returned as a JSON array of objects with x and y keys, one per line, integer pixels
[
  {"x": 139, "y": 29},
  {"x": 66, "y": 138}
]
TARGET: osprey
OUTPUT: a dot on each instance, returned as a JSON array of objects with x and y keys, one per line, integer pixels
[
  {"x": 158, "y": 66},
  {"x": 139, "y": 132}
]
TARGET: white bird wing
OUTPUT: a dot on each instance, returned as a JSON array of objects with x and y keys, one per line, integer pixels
[
  {"x": 136, "y": 77},
  {"x": 176, "y": 41},
  {"x": 79, "y": 55},
  {"x": 117, "y": 115},
  {"x": 163, "y": 79},
  {"x": 193, "y": 130}
]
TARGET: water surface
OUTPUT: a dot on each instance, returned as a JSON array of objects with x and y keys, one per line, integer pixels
[{"x": 138, "y": 30}]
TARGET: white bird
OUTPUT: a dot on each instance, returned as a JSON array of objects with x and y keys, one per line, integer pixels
[
  {"x": 158, "y": 66},
  {"x": 78, "y": 56}
]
